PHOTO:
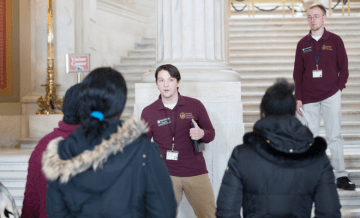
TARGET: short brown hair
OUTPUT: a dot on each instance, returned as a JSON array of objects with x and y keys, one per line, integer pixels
[
  {"x": 317, "y": 5},
  {"x": 173, "y": 71}
]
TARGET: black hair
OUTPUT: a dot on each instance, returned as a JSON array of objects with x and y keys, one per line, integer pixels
[
  {"x": 173, "y": 71},
  {"x": 278, "y": 99},
  {"x": 71, "y": 105},
  {"x": 103, "y": 90}
]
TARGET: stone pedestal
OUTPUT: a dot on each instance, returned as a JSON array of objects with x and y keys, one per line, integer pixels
[
  {"x": 40, "y": 125},
  {"x": 222, "y": 101}
]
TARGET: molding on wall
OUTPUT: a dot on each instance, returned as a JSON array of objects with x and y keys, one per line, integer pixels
[{"x": 121, "y": 10}]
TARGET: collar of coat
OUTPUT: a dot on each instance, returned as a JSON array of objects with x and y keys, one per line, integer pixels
[
  {"x": 54, "y": 167},
  {"x": 283, "y": 140}
]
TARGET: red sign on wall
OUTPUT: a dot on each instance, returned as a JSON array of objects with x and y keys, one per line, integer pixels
[{"x": 76, "y": 63}]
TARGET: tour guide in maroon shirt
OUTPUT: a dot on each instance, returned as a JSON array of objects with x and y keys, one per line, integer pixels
[
  {"x": 169, "y": 119},
  {"x": 320, "y": 74}
]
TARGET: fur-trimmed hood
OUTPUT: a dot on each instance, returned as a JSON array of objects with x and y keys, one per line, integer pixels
[
  {"x": 283, "y": 140},
  {"x": 74, "y": 156}
]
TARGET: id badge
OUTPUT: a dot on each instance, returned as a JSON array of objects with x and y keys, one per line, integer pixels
[
  {"x": 164, "y": 121},
  {"x": 172, "y": 155},
  {"x": 317, "y": 73}
]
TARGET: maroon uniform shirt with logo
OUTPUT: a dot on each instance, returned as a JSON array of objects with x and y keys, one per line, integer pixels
[
  {"x": 333, "y": 62},
  {"x": 188, "y": 163}
]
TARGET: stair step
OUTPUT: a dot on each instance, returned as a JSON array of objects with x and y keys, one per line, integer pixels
[
  {"x": 134, "y": 67},
  {"x": 247, "y": 80},
  {"x": 349, "y": 127},
  {"x": 247, "y": 88},
  {"x": 277, "y": 49},
  {"x": 256, "y": 97},
  {"x": 249, "y": 43},
  {"x": 278, "y": 71},
  {"x": 288, "y": 22},
  {"x": 146, "y": 45},
  {"x": 269, "y": 53},
  {"x": 347, "y": 116},
  {"x": 345, "y": 105},
  {"x": 296, "y": 30},
  {"x": 15, "y": 183},
  {"x": 275, "y": 63},
  {"x": 350, "y": 211},
  {"x": 139, "y": 60},
  {"x": 349, "y": 197},
  {"x": 142, "y": 53},
  {"x": 13, "y": 175},
  {"x": 149, "y": 40}
]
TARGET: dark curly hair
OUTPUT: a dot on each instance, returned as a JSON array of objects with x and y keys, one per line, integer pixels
[
  {"x": 278, "y": 99},
  {"x": 103, "y": 90}
]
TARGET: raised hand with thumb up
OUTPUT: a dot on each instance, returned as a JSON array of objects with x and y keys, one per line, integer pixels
[{"x": 196, "y": 133}]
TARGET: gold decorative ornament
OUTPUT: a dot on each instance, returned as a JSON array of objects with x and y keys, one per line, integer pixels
[{"x": 50, "y": 104}]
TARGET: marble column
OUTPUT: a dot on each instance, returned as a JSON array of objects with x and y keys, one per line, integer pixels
[{"x": 192, "y": 35}]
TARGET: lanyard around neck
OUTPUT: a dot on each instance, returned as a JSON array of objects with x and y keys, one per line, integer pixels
[
  {"x": 317, "y": 58},
  {"x": 172, "y": 132}
]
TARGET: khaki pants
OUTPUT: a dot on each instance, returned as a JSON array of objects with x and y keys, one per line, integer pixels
[
  {"x": 198, "y": 191},
  {"x": 331, "y": 109}
]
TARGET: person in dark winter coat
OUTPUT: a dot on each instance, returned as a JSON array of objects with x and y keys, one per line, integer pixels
[
  {"x": 107, "y": 167},
  {"x": 280, "y": 170},
  {"x": 34, "y": 204}
]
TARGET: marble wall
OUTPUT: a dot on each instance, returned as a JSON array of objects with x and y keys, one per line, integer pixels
[
  {"x": 106, "y": 29},
  {"x": 9, "y": 130}
]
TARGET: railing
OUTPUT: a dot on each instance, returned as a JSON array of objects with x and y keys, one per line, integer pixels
[{"x": 283, "y": 2}]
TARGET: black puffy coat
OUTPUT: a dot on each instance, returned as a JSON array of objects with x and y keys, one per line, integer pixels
[
  {"x": 279, "y": 171},
  {"x": 121, "y": 174}
]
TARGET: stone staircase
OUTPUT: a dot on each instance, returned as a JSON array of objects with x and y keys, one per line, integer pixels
[
  {"x": 277, "y": 9},
  {"x": 263, "y": 49},
  {"x": 133, "y": 66},
  {"x": 13, "y": 172}
]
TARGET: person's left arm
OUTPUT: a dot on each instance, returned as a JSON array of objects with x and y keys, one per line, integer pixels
[
  {"x": 342, "y": 64},
  {"x": 230, "y": 196},
  {"x": 205, "y": 124}
]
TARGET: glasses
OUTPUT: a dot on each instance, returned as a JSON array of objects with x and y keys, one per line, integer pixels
[{"x": 315, "y": 17}]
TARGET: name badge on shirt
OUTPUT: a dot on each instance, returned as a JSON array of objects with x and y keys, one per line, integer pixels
[
  {"x": 306, "y": 50},
  {"x": 172, "y": 155},
  {"x": 317, "y": 73},
  {"x": 164, "y": 121}
]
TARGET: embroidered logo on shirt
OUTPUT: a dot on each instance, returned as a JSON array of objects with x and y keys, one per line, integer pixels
[
  {"x": 186, "y": 115},
  {"x": 327, "y": 48}
]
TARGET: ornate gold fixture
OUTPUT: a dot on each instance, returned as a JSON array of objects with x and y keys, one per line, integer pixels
[{"x": 50, "y": 104}]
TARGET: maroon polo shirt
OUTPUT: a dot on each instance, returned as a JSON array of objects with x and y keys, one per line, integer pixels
[
  {"x": 188, "y": 163},
  {"x": 333, "y": 62}
]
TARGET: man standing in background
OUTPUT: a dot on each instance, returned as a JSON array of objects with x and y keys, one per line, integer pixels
[{"x": 320, "y": 74}]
